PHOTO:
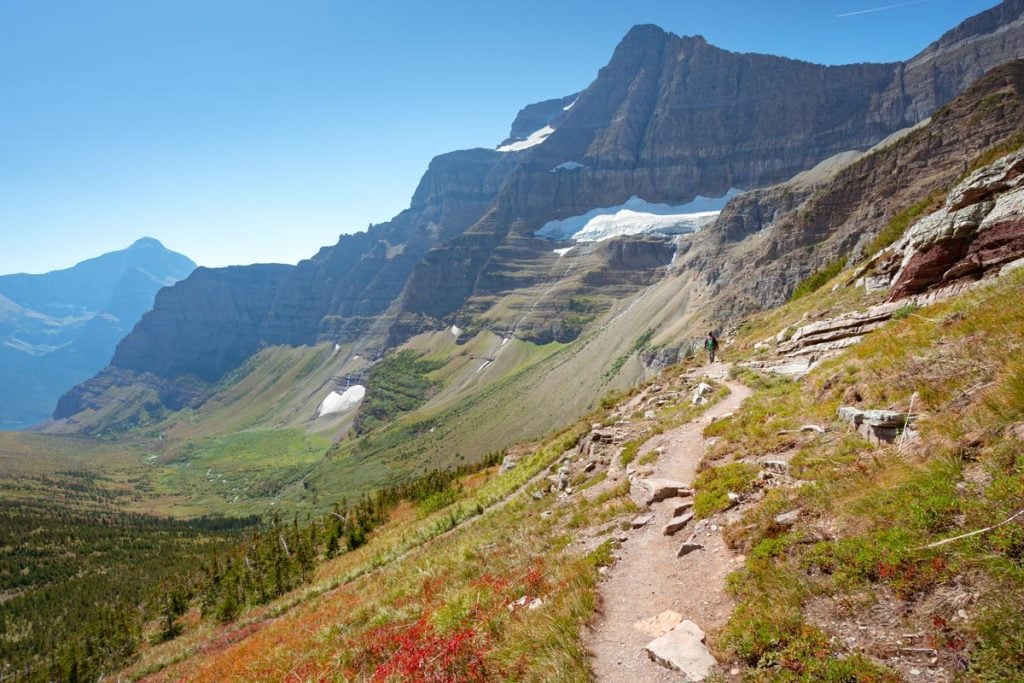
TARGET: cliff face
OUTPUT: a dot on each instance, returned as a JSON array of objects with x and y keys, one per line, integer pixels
[
  {"x": 795, "y": 228},
  {"x": 667, "y": 119},
  {"x": 670, "y": 118},
  {"x": 960, "y": 57}
]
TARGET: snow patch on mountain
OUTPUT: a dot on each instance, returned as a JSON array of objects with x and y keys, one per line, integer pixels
[
  {"x": 534, "y": 138},
  {"x": 568, "y": 166},
  {"x": 637, "y": 216},
  {"x": 335, "y": 403}
]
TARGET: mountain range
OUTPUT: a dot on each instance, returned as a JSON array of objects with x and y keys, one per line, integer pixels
[
  {"x": 61, "y": 327},
  {"x": 479, "y": 441},
  {"x": 670, "y": 119}
]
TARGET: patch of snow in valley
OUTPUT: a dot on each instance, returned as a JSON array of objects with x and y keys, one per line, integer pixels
[
  {"x": 482, "y": 366},
  {"x": 568, "y": 166},
  {"x": 534, "y": 138},
  {"x": 637, "y": 216},
  {"x": 570, "y": 105},
  {"x": 337, "y": 347},
  {"x": 339, "y": 403},
  {"x": 505, "y": 341},
  {"x": 456, "y": 331},
  {"x": 562, "y": 252}
]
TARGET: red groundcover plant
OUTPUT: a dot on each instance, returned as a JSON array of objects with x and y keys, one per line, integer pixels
[{"x": 418, "y": 652}]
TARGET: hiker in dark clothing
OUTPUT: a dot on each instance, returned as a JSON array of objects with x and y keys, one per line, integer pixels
[{"x": 711, "y": 346}]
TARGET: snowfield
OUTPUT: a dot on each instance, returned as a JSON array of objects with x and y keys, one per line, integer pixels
[
  {"x": 338, "y": 403},
  {"x": 637, "y": 216},
  {"x": 535, "y": 138}
]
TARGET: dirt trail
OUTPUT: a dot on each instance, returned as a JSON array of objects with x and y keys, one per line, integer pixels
[{"x": 647, "y": 578}]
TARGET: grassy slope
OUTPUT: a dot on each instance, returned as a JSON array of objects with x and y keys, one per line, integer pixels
[
  {"x": 433, "y": 595},
  {"x": 870, "y": 508},
  {"x": 440, "y": 592}
]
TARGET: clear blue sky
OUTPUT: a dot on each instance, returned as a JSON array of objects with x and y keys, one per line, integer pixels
[{"x": 249, "y": 131}]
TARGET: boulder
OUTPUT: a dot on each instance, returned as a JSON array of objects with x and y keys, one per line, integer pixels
[
  {"x": 682, "y": 649},
  {"x": 700, "y": 393},
  {"x": 877, "y": 426},
  {"x": 787, "y": 519},
  {"x": 507, "y": 463},
  {"x": 775, "y": 466}
]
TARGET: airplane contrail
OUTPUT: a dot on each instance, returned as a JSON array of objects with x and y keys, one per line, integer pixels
[{"x": 880, "y": 9}]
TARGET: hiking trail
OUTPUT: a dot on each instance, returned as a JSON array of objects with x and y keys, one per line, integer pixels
[{"x": 647, "y": 579}]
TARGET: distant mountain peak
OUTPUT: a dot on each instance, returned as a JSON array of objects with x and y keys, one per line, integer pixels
[{"x": 147, "y": 242}]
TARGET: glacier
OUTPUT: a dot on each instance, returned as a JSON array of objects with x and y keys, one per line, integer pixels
[
  {"x": 534, "y": 138},
  {"x": 637, "y": 216}
]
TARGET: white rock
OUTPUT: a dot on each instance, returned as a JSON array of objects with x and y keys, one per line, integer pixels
[{"x": 682, "y": 649}]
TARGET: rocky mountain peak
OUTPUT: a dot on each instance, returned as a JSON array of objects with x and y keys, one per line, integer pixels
[{"x": 989, "y": 21}]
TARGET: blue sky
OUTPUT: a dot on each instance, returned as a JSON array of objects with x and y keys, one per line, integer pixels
[{"x": 248, "y": 131}]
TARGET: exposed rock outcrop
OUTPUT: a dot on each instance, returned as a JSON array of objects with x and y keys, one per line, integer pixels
[{"x": 978, "y": 232}]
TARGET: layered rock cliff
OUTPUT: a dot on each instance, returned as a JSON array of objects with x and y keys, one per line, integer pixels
[
  {"x": 978, "y": 231},
  {"x": 765, "y": 242},
  {"x": 671, "y": 117}
]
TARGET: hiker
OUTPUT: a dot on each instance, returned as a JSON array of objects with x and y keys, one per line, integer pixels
[{"x": 711, "y": 345}]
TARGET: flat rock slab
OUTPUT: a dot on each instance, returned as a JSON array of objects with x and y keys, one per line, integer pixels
[
  {"x": 659, "y": 625},
  {"x": 681, "y": 507},
  {"x": 660, "y": 489},
  {"x": 682, "y": 649},
  {"x": 642, "y": 521},
  {"x": 677, "y": 523},
  {"x": 886, "y": 418}
]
